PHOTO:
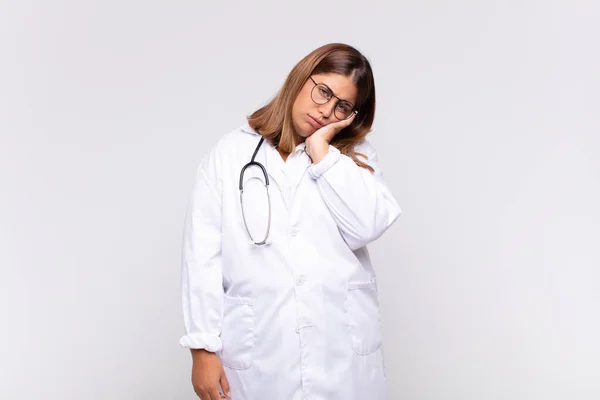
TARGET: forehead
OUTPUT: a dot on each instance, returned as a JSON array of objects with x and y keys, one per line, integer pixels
[{"x": 342, "y": 86}]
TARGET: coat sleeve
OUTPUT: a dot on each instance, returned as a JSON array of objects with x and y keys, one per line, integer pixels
[
  {"x": 359, "y": 201},
  {"x": 201, "y": 278}
]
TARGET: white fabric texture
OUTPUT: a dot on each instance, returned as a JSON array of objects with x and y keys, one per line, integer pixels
[{"x": 297, "y": 318}]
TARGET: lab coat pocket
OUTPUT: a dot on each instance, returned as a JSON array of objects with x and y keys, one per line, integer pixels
[
  {"x": 237, "y": 334},
  {"x": 364, "y": 320}
]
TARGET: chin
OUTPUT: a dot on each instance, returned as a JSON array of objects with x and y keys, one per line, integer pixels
[
  {"x": 305, "y": 132},
  {"x": 304, "y": 129},
  {"x": 309, "y": 130}
]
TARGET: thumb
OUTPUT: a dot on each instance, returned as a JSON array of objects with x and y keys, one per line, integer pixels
[{"x": 224, "y": 384}]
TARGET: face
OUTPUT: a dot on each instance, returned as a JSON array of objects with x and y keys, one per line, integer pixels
[{"x": 308, "y": 116}]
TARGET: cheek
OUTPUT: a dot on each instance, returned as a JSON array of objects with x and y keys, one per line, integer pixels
[
  {"x": 296, "y": 107},
  {"x": 299, "y": 111},
  {"x": 299, "y": 106},
  {"x": 303, "y": 102}
]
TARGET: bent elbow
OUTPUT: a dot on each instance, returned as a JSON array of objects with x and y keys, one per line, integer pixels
[{"x": 368, "y": 233}]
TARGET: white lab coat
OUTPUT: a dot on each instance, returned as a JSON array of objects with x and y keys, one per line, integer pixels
[{"x": 297, "y": 318}]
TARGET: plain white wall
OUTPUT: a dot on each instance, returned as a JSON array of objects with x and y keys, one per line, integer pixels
[{"x": 488, "y": 129}]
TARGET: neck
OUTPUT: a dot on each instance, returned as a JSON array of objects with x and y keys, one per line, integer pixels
[{"x": 283, "y": 154}]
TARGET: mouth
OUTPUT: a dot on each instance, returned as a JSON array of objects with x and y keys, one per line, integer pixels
[{"x": 315, "y": 122}]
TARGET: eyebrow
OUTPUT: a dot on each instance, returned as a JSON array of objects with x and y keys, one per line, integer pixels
[{"x": 332, "y": 92}]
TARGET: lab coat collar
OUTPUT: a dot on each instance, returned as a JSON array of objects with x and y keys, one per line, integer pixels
[
  {"x": 248, "y": 129},
  {"x": 267, "y": 155},
  {"x": 270, "y": 158}
]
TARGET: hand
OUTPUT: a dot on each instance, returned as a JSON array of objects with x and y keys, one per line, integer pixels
[
  {"x": 317, "y": 144},
  {"x": 207, "y": 375}
]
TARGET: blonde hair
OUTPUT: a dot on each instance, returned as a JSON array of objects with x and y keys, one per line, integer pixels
[{"x": 274, "y": 120}]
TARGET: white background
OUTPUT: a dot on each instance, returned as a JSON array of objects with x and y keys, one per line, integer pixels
[{"x": 488, "y": 128}]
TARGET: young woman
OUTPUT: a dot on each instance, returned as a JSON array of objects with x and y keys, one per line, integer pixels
[{"x": 279, "y": 294}]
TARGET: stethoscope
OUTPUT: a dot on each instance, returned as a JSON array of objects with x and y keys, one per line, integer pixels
[{"x": 264, "y": 171}]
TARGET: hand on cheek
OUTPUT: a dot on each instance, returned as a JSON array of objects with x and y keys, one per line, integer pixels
[{"x": 317, "y": 144}]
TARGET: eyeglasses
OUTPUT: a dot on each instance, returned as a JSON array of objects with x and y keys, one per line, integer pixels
[{"x": 321, "y": 94}]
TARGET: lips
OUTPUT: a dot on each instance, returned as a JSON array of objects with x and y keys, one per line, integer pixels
[{"x": 315, "y": 122}]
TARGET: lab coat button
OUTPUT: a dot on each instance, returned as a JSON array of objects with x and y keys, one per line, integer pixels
[
  {"x": 294, "y": 231},
  {"x": 300, "y": 280}
]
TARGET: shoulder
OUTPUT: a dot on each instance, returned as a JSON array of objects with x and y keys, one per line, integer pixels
[
  {"x": 365, "y": 149},
  {"x": 228, "y": 150},
  {"x": 231, "y": 143},
  {"x": 236, "y": 137}
]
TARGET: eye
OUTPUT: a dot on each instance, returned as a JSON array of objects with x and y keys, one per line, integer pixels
[
  {"x": 344, "y": 107},
  {"x": 323, "y": 91}
]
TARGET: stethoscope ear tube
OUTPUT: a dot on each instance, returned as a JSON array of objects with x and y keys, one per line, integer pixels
[
  {"x": 251, "y": 163},
  {"x": 241, "y": 187}
]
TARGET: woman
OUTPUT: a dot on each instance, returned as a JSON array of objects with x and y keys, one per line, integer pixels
[{"x": 279, "y": 294}]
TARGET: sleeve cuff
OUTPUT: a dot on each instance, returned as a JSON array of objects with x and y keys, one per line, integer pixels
[
  {"x": 332, "y": 157},
  {"x": 207, "y": 341}
]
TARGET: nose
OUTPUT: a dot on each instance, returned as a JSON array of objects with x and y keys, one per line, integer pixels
[{"x": 327, "y": 109}]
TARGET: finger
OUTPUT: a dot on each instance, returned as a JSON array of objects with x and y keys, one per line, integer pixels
[
  {"x": 206, "y": 395},
  {"x": 343, "y": 124},
  {"x": 225, "y": 385},
  {"x": 203, "y": 395},
  {"x": 349, "y": 120},
  {"x": 214, "y": 394}
]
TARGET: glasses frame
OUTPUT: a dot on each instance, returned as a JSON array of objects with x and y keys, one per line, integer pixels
[{"x": 332, "y": 95}]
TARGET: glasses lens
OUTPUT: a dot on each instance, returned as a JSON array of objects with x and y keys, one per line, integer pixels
[
  {"x": 343, "y": 110},
  {"x": 320, "y": 94}
]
